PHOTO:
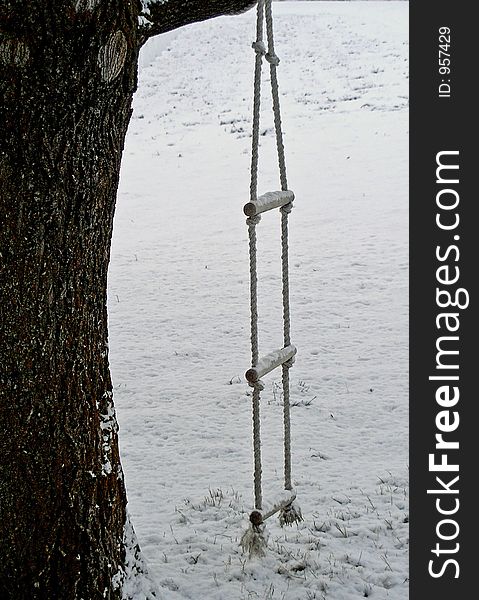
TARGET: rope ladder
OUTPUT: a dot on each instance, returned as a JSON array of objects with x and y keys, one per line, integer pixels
[{"x": 253, "y": 539}]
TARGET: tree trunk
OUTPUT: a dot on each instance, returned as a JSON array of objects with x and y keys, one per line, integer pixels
[
  {"x": 67, "y": 77},
  {"x": 67, "y": 89}
]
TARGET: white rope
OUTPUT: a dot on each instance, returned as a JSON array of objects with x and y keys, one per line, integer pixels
[
  {"x": 264, "y": 12},
  {"x": 260, "y": 50},
  {"x": 258, "y": 498},
  {"x": 273, "y": 63},
  {"x": 252, "y": 222},
  {"x": 287, "y": 340}
]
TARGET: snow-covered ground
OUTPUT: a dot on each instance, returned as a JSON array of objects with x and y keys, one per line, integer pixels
[{"x": 178, "y": 304}]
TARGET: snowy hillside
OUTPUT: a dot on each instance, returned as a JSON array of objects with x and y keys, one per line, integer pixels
[{"x": 178, "y": 305}]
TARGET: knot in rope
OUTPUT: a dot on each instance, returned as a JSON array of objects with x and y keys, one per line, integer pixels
[
  {"x": 272, "y": 59},
  {"x": 259, "y": 47},
  {"x": 287, "y": 208},
  {"x": 252, "y": 221},
  {"x": 259, "y": 385}
]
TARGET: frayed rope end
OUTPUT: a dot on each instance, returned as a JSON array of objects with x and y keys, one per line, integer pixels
[
  {"x": 254, "y": 539},
  {"x": 290, "y": 514}
]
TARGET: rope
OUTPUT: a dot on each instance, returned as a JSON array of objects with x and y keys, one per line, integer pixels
[
  {"x": 264, "y": 12},
  {"x": 273, "y": 63},
  {"x": 252, "y": 222},
  {"x": 287, "y": 340},
  {"x": 258, "y": 500},
  {"x": 260, "y": 50},
  {"x": 285, "y": 273},
  {"x": 287, "y": 430}
]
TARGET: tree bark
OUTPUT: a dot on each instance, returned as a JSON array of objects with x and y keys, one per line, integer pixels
[
  {"x": 67, "y": 76},
  {"x": 67, "y": 84},
  {"x": 160, "y": 17}
]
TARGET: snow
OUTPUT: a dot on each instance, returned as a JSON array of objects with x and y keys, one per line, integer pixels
[
  {"x": 268, "y": 201},
  {"x": 86, "y": 5},
  {"x": 108, "y": 426},
  {"x": 179, "y": 302},
  {"x": 134, "y": 579},
  {"x": 270, "y": 361}
]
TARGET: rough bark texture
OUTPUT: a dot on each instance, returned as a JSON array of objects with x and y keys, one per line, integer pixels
[
  {"x": 165, "y": 16},
  {"x": 67, "y": 77},
  {"x": 66, "y": 107}
]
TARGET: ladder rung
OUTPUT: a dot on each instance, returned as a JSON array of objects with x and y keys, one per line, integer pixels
[
  {"x": 283, "y": 500},
  {"x": 267, "y": 202},
  {"x": 270, "y": 361}
]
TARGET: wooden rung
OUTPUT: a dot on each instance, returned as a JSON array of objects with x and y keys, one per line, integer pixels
[
  {"x": 267, "y": 202},
  {"x": 268, "y": 362},
  {"x": 286, "y": 498}
]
